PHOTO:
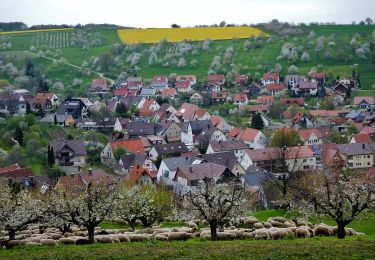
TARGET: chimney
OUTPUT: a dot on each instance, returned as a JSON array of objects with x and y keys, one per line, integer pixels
[
  {"x": 363, "y": 146},
  {"x": 190, "y": 169}
]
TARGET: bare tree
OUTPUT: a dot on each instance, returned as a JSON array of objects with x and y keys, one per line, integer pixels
[
  {"x": 342, "y": 196},
  {"x": 216, "y": 203}
]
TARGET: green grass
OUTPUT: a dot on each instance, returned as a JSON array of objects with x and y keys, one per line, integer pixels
[{"x": 316, "y": 248}]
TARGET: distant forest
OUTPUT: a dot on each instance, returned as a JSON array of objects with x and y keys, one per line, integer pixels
[{"x": 17, "y": 26}]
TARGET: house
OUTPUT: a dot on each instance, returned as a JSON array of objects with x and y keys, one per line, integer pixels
[
  {"x": 253, "y": 137},
  {"x": 165, "y": 107},
  {"x": 46, "y": 101},
  {"x": 167, "y": 150},
  {"x": 256, "y": 108},
  {"x": 183, "y": 86},
  {"x": 148, "y": 92},
  {"x": 342, "y": 89},
  {"x": 71, "y": 107},
  {"x": 169, "y": 93},
  {"x": 130, "y": 101},
  {"x": 240, "y": 99},
  {"x": 196, "y": 98},
  {"x": 159, "y": 82},
  {"x": 310, "y": 136},
  {"x": 253, "y": 89},
  {"x": 12, "y": 104},
  {"x": 330, "y": 156},
  {"x": 216, "y": 79},
  {"x": 128, "y": 161},
  {"x": 349, "y": 82},
  {"x": 187, "y": 111},
  {"x": 220, "y": 98},
  {"x": 270, "y": 78},
  {"x": 264, "y": 100},
  {"x": 98, "y": 87},
  {"x": 310, "y": 88},
  {"x": 121, "y": 92},
  {"x": 134, "y": 83},
  {"x": 221, "y": 124},
  {"x": 202, "y": 114},
  {"x": 241, "y": 79},
  {"x": 293, "y": 81},
  {"x": 295, "y": 158},
  {"x": 227, "y": 159},
  {"x": 292, "y": 101},
  {"x": 170, "y": 130},
  {"x": 254, "y": 181},
  {"x": 275, "y": 88},
  {"x": 188, "y": 177},
  {"x": 140, "y": 176},
  {"x": 362, "y": 138},
  {"x": 16, "y": 174},
  {"x": 150, "y": 104},
  {"x": 70, "y": 155},
  {"x": 236, "y": 146},
  {"x": 139, "y": 128},
  {"x": 149, "y": 141},
  {"x": 209, "y": 135},
  {"x": 109, "y": 124},
  {"x": 132, "y": 146},
  {"x": 319, "y": 77},
  {"x": 357, "y": 155},
  {"x": 168, "y": 168},
  {"x": 192, "y": 129},
  {"x": 302, "y": 120},
  {"x": 77, "y": 183},
  {"x": 364, "y": 102},
  {"x": 190, "y": 78}
]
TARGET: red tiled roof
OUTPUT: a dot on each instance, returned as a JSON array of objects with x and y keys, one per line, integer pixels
[
  {"x": 169, "y": 91},
  {"x": 130, "y": 145},
  {"x": 368, "y": 100},
  {"x": 138, "y": 172},
  {"x": 362, "y": 138},
  {"x": 264, "y": 99},
  {"x": 120, "y": 92},
  {"x": 41, "y": 98},
  {"x": 275, "y": 87},
  {"x": 200, "y": 113},
  {"x": 145, "y": 112},
  {"x": 182, "y": 84},
  {"x": 186, "y": 78},
  {"x": 241, "y": 78},
  {"x": 215, "y": 120},
  {"x": 223, "y": 94},
  {"x": 299, "y": 101},
  {"x": 255, "y": 108},
  {"x": 306, "y": 133},
  {"x": 271, "y": 75},
  {"x": 249, "y": 134},
  {"x": 318, "y": 75},
  {"x": 147, "y": 103},
  {"x": 234, "y": 132},
  {"x": 215, "y": 77},
  {"x": 158, "y": 79},
  {"x": 240, "y": 98},
  {"x": 367, "y": 130},
  {"x": 15, "y": 171},
  {"x": 324, "y": 113}
]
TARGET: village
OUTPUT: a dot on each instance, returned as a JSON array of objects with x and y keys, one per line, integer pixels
[{"x": 151, "y": 140}]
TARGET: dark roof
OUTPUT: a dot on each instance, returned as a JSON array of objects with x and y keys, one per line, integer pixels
[
  {"x": 140, "y": 128},
  {"x": 356, "y": 149},
  {"x": 77, "y": 146},
  {"x": 15, "y": 172},
  {"x": 130, "y": 100},
  {"x": 175, "y": 162},
  {"x": 129, "y": 159},
  {"x": 172, "y": 148},
  {"x": 202, "y": 170},
  {"x": 198, "y": 125},
  {"x": 255, "y": 176},
  {"x": 206, "y": 134},
  {"x": 228, "y": 145},
  {"x": 227, "y": 159}
]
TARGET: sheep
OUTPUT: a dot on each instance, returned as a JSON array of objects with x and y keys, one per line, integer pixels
[
  {"x": 191, "y": 224},
  {"x": 246, "y": 235},
  {"x": 289, "y": 224},
  {"x": 177, "y": 236},
  {"x": 82, "y": 241},
  {"x": 267, "y": 224},
  {"x": 138, "y": 237},
  {"x": 66, "y": 241},
  {"x": 56, "y": 236},
  {"x": 48, "y": 242},
  {"x": 262, "y": 234},
  {"x": 13, "y": 243},
  {"x": 302, "y": 232},
  {"x": 161, "y": 237},
  {"x": 236, "y": 232},
  {"x": 123, "y": 238},
  {"x": 30, "y": 243},
  {"x": 279, "y": 234},
  {"x": 280, "y": 219},
  {"x": 258, "y": 225},
  {"x": 225, "y": 235},
  {"x": 322, "y": 230}
]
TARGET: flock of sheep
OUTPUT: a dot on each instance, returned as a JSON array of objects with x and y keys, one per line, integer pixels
[{"x": 273, "y": 228}]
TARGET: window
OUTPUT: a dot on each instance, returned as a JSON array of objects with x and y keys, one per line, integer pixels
[{"x": 166, "y": 173}]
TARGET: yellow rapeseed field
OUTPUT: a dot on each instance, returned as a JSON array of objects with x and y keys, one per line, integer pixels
[
  {"x": 131, "y": 36},
  {"x": 35, "y": 31}
]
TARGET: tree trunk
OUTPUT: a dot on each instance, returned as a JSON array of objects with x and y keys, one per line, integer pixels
[
  {"x": 340, "y": 230},
  {"x": 12, "y": 234},
  {"x": 131, "y": 224},
  {"x": 213, "y": 227},
  {"x": 91, "y": 230}
]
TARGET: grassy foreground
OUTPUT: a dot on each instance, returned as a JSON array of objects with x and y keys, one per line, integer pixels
[{"x": 316, "y": 248}]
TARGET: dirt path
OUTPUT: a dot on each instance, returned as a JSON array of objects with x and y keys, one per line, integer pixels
[{"x": 71, "y": 65}]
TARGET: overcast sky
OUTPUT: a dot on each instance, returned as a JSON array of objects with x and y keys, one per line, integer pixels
[{"x": 162, "y": 13}]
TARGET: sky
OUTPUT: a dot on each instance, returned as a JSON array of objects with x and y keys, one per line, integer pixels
[{"x": 163, "y": 13}]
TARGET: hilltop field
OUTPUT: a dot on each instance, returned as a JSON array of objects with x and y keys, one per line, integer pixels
[{"x": 84, "y": 54}]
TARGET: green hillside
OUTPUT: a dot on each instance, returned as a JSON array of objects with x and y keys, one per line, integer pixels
[{"x": 94, "y": 50}]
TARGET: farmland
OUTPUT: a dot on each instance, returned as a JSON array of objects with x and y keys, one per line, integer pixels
[
  {"x": 253, "y": 56},
  {"x": 133, "y": 36}
]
